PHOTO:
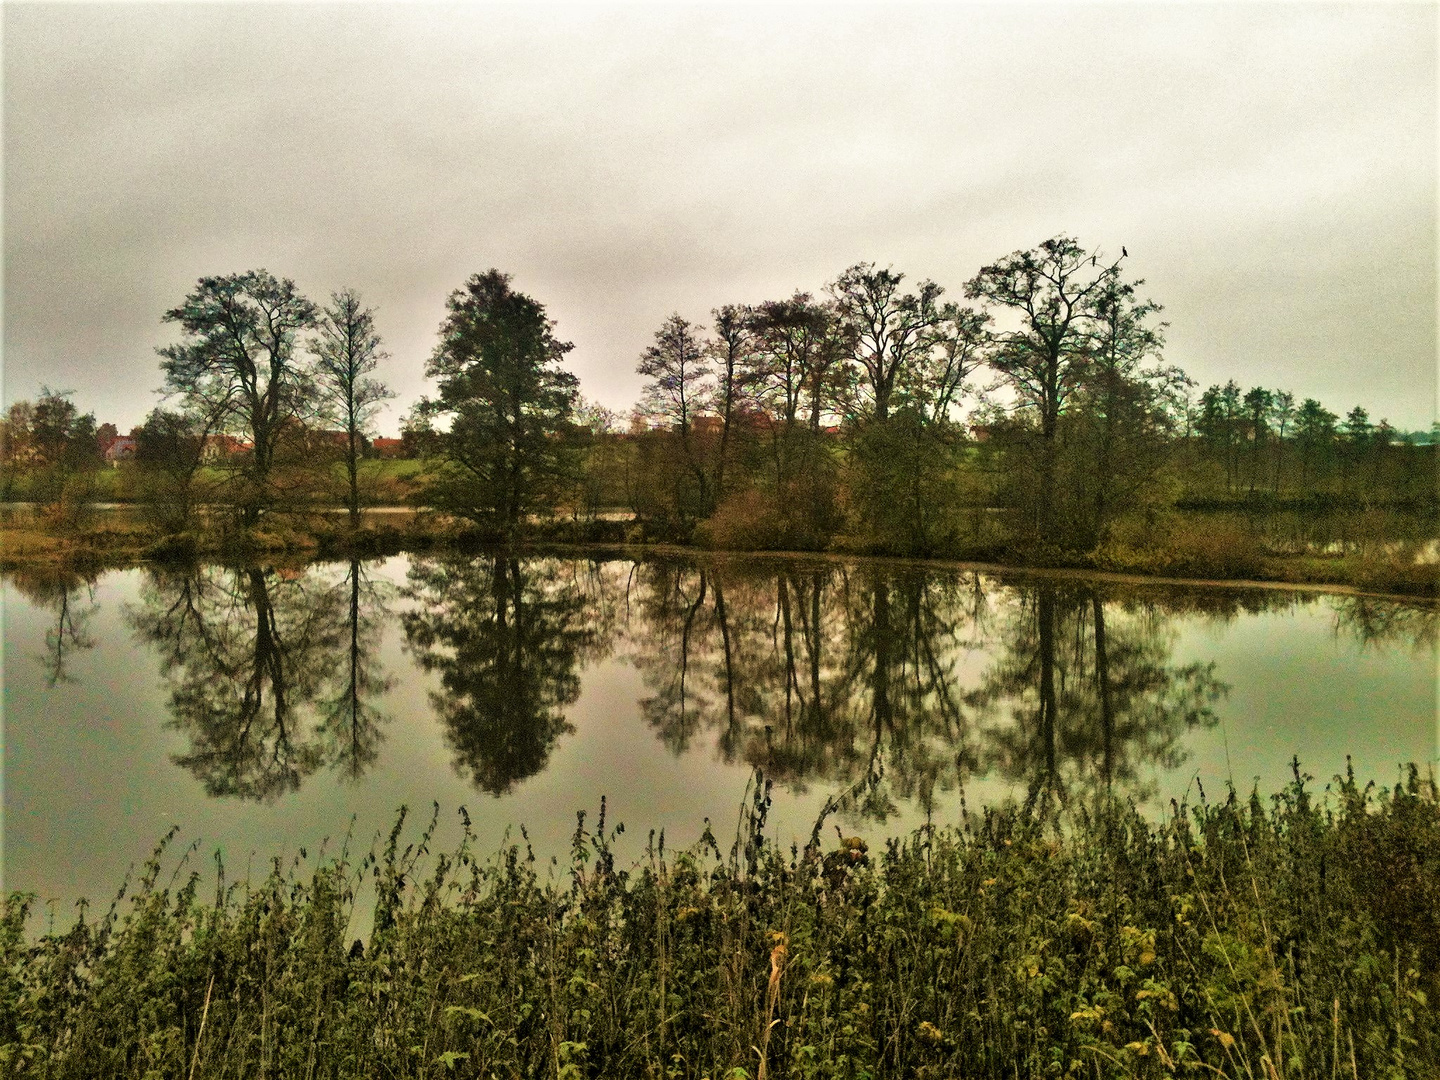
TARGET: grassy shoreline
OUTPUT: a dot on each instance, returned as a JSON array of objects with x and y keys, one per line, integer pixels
[
  {"x": 111, "y": 541},
  {"x": 1233, "y": 938}
]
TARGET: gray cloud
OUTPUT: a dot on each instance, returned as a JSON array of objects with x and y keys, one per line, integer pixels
[{"x": 1272, "y": 171}]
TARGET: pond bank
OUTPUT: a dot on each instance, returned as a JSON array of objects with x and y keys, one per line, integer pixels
[{"x": 116, "y": 539}]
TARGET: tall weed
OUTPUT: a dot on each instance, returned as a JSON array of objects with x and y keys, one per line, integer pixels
[{"x": 1238, "y": 938}]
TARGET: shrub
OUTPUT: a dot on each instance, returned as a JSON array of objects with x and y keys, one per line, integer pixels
[{"x": 1185, "y": 545}]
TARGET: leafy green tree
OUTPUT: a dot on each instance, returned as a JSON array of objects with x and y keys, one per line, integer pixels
[
  {"x": 794, "y": 351},
  {"x": 1121, "y": 421},
  {"x": 170, "y": 451},
  {"x": 505, "y": 404},
  {"x": 1259, "y": 403},
  {"x": 63, "y": 454},
  {"x": 1358, "y": 427},
  {"x": 16, "y": 451},
  {"x": 1284, "y": 415},
  {"x": 903, "y": 484},
  {"x": 1314, "y": 436},
  {"x": 733, "y": 358},
  {"x": 238, "y": 363},
  {"x": 347, "y": 352},
  {"x": 1221, "y": 416}
]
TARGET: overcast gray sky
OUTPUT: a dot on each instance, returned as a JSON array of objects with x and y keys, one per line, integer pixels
[{"x": 1271, "y": 169}]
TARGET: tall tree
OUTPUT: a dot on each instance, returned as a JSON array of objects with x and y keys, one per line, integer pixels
[
  {"x": 347, "y": 352},
  {"x": 1056, "y": 290},
  {"x": 732, "y": 354},
  {"x": 507, "y": 403},
  {"x": 1222, "y": 422},
  {"x": 1359, "y": 434},
  {"x": 792, "y": 338},
  {"x": 1259, "y": 403},
  {"x": 238, "y": 362},
  {"x": 1127, "y": 402},
  {"x": 889, "y": 328},
  {"x": 63, "y": 452},
  {"x": 1284, "y": 414},
  {"x": 1315, "y": 434},
  {"x": 677, "y": 363}
]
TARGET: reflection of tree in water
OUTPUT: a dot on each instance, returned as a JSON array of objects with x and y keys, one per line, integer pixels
[
  {"x": 71, "y": 599},
  {"x": 812, "y": 672},
  {"x": 1371, "y": 620},
  {"x": 351, "y": 723},
  {"x": 900, "y": 684},
  {"x": 1080, "y": 697},
  {"x": 272, "y": 673},
  {"x": 507, "y": 640}
]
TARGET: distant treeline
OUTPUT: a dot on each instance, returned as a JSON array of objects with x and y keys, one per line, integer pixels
[{"x": 870, "y": 415}]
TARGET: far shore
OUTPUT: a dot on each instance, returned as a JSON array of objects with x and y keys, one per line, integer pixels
[{"x": 111, "y": 537}]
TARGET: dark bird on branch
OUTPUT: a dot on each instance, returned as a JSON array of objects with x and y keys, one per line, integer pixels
[
  {"x": 1092, "y": 259},
  {"x": 1123, "y": 253}
]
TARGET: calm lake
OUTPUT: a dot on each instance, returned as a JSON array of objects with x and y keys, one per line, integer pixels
[{"x": 263, "y": 708}]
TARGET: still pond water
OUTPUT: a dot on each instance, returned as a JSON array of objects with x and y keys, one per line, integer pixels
[{"x": 263, "y": 708}]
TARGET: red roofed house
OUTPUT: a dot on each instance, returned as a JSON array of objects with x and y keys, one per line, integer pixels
[
  {"x": 218, "y": 446},
  {"x": 121, "y": 448}
]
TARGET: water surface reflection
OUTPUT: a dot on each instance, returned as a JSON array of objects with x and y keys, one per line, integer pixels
[
  {"x": 507, "y": 638},
  {"x": 289, "y": 698},
  {"x": 899, "y": 685},
  {"x": 270, "y": 673}
]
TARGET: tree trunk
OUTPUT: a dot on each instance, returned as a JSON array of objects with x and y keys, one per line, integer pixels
[
  {"x": 1045, "y": 616},
  {"x": 353, "y": 467},
  {"x": 1102, "y": 678}
]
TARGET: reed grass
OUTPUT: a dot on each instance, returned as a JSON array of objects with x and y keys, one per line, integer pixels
[{"x": 1238, "y": 938}]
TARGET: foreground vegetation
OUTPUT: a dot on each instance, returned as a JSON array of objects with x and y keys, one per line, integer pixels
[{"x": 1231, "y": 939}]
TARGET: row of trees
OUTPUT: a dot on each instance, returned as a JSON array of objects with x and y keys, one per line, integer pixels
[
  {"x": 259, "y": 369},
  {"x": 1071, "y": 356},
  {"x": 1264, "y": 441},
  {"x": 52, "y": 444},
  {"x": 872, "y": 407},
  {"x": 239, "y": 370}
]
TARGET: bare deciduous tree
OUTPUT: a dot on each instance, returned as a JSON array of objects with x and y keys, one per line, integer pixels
[
  {"x": 347, "y": 351},
  {"x": 889, "y": 328}
]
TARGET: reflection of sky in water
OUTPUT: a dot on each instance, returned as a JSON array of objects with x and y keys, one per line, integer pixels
[{"x": 90, "y": 781}]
